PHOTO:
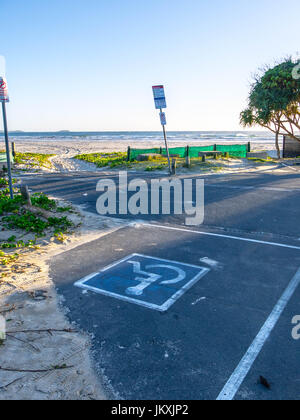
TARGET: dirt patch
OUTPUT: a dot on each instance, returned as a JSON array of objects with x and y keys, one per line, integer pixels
[{"x": 43, "y": 356}]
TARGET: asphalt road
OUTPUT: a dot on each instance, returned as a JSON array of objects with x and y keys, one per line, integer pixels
[
  {"x": 247, "y": 203},
  {"x": 229, "y": 327}
]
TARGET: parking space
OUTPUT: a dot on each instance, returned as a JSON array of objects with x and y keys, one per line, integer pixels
[
  {"x": 278, "y": 362},
  {"x": 173, "y": 313},
  {"x": 155, "y": 283}
]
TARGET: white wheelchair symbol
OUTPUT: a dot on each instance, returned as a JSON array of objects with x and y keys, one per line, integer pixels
[{"x": 152, "y": 277}]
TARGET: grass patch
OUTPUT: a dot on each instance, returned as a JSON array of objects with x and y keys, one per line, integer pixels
[
  {"x": 18, "y": 244},
  {"x": 33, "y": 160},
  {"x": 207, "y": 166},
  {"x": 4, "y": 182},
  {"x": 60, "y": 224},
  {"x": 197, "y": 165},
  {"x": 257, "y": 160},
  {"x": 25, "y": 221},
  {"x": 31, "y": 223},
  {"x": 119, "y": 160},
  {"x": 6, "y": 259},
  {"x": 42, "y": 201},
  {"x": 155, "y": 168},
  {"x": 63, "y": 209},
  {"x": 28, "y": 225},
  {"x": 102, "y": 160},
  {"x": 38, "y": 200},
  {"x": 7, "y": 205},
  {"x": 15, "y": 216}
]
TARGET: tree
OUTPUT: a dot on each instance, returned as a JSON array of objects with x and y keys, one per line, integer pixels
[{"x": 274, "y": 101}]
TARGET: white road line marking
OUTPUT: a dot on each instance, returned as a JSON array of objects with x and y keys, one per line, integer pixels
[
  {"x": 251, "y": 188},
  {"x": 198, "y": 300},
  {"x": 290, "y": 167},
  {"x": 237, "y": 378},
  {"x": 218, "y": 235},
  {"x": 212, "y": 263}
]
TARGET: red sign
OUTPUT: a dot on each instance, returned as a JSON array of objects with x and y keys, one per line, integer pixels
[{"x": 3, "y": 91}]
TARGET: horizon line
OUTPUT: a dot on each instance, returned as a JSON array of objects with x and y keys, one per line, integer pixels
[{"x": 134, "y": 131}]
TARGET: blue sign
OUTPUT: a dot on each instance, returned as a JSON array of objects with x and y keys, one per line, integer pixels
[
  {"x": 159, "y": 97},
  {"x": 151, "y": 282}
]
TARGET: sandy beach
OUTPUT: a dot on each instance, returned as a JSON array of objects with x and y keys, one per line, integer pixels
[{"x": 65, "y": 151}]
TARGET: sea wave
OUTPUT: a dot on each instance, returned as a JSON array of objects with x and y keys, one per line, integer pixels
[{"x": 176, "y": 136}]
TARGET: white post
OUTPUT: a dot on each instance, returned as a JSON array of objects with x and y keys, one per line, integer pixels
[
  {"x": 11, "y": 191},
  {"x": 166, "y": 143}
]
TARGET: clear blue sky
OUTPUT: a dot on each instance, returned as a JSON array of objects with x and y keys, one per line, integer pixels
[{"x": 90, "y": 64}]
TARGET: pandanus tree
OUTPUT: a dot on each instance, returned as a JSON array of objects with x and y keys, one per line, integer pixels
[{"x": 274, "y": 101}]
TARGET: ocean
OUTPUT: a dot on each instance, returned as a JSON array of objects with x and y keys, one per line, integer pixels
[{"x": 190, "y": 136}]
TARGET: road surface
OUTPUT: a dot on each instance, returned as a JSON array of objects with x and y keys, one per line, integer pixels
[{"x": 229, "y": 320}]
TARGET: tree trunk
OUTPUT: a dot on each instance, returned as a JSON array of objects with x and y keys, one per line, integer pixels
[{"x": 277, "y": 145}]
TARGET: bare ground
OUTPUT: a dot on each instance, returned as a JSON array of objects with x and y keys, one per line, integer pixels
[{"x": 43, "y": 356}]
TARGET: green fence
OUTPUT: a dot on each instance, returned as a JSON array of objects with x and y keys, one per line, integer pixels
[
  {"x": 134, "y": 153},
  {"x": 234, "y": 150},
  {"x": 3, "y": 158},
  {"x": 180, "y": 151},
  {"x": 194, "y": 151}
]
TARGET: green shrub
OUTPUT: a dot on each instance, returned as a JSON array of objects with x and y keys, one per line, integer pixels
[
  {"x": 7, "y": 205},
  {"x": 102, "y": 160},
  {"x": 32, "y": 223},
  {"x": 34, "y": 159},
  {"x": 42, "y": 201}
]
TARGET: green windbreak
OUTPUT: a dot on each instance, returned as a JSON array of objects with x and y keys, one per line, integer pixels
[
  {"x": 134, "y": 153},
  {"x": 234, "y": 150},
  {"x": 3, "y": 158},
  {"x": 181, "y": 151},
  {"x": 194, "y": 151}
]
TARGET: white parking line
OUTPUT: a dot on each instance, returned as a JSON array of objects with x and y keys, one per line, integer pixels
[
  {"x": 237, "y": 378},
  {"x": 290, "y": 167},
  {"x": 218, "y": 235},
  {"x": 251, "y": 188}
]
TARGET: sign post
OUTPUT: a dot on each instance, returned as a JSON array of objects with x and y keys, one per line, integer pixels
[
  {"x": 5, "y": 98},
  {"x": 160, "y": 103}
]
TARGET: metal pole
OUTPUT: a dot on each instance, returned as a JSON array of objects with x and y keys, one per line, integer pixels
[
  {"x": 13, "y": 149},
  {"x": 11, "y": 191},
  {"x": 167, "y": 147}
]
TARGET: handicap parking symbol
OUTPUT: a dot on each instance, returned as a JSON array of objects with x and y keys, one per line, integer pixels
[{"x": 147, "y": 281}]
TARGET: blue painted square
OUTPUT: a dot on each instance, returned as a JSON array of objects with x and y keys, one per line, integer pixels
[{"x": 152, "y": 282}]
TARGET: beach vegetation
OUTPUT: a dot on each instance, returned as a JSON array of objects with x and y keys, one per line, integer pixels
[
  {"x": 34, "y": 160},
  {"x": 23, "y": 227},
  {"x": 156, "y": 163},
  {"x": 15, "y": 215},
  {"x": 42, "y": 201},
  {"x": 260, "y": 160},
  {"x": 5, "y": 258},
  {"x": 274, "y": 101},
  {"x": 155, "y": 168},
  {"x": 30, "y": 222},
  {"x": 4, "y": 182},
  {"x": 103, "y": 160}
]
